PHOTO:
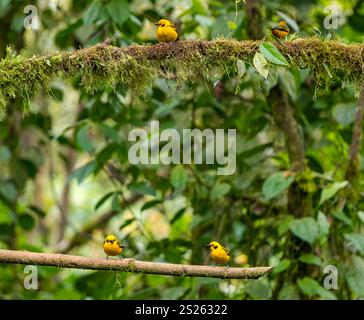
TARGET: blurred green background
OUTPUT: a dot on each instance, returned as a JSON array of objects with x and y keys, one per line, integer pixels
[{"x": 65, "y": 179}]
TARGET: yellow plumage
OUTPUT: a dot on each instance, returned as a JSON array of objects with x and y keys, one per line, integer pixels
[
  {"x": 281, "y": 30},
  {"x": 166, "y": 31},
  {"x": 218, "y": 253},
  {"x": 112, "y": 246}
]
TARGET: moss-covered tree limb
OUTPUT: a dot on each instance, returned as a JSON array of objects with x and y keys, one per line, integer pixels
[
  {"x": 129, "y": 265},
  {"x": 135, "y": 66}
]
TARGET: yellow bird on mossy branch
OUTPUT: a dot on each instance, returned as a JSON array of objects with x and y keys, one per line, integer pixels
[
  {"x": 218, "y": 253},
  {"x": 112, "y": 246},
  {"x": 166, "y": 31},
  {"x": 281, "y": 30}
]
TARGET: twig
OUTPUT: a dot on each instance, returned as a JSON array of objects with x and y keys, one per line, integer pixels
[{"x": 129, "y": 265}]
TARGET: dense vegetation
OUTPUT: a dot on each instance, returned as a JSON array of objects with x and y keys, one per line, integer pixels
[{"x": 295, "y": 200}]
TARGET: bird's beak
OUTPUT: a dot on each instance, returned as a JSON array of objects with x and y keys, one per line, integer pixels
[
  {"x": 123, "y": 247},
  {"x": 206, "y": 245},
  {"x": 156, "y": 24}
]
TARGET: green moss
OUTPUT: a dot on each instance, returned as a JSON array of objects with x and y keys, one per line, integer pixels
[{"x": 136, "y": 66}]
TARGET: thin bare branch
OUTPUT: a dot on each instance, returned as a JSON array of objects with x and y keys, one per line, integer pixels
[{"x": 129, "y": 265}]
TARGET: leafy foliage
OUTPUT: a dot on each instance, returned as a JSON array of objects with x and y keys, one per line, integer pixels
[{"x": 65, "y": 178}]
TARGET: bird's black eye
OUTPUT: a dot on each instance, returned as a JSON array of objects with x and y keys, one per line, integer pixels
[{"x": 215, "y": 247}]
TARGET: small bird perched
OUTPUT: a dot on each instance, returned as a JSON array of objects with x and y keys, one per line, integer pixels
[
  {"x": 281, "y": 30},
  {"x": 166, "y": 31},
  {"x": 112, "y": 246},
  {"x": 218, "y": 253}
]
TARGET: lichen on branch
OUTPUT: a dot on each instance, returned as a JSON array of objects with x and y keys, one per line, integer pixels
[{"x": 135, "y": 66}]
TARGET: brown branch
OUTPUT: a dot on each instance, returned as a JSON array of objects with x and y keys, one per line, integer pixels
[
  {"x": 63, "y": 204},
  {"x": 285, "y": 120},
  {"x": 129, "y": 265},
  {"x": 353, "y": 165},
  {"x": 353, "y": 162}
]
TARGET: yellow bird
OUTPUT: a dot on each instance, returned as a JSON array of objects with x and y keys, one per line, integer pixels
[
  {"x": 218, "y": 253},
  {"x": 281, "y": 30},
  {"x": 166, "y": 31},
  {"x": 112, "y": 246}
]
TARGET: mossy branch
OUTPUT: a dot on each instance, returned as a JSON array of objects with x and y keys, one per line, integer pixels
[
  {"x": 129, "y": 265},
  {"x": 135, "y": 66}
]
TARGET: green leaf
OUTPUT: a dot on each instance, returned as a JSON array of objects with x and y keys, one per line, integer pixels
[
  {"x": 326, "y": 294},
  {"x": 126, "y": 223},
  {"x": 309, "y": 286},
  {"x": 5, "y": 153},
  {"x": 110, "y": 132},
  {"x": 323, "y": 223},
  {"x": 306, "y": 229},
  {"x": 198, "y": 7},
  {"x": 6, "y": 231},
  {"x": 3, "y": 6},
  {"x": 344, "y": 113},
  {"x": 282, "y": 266},
  {"x": 283, "y": 226},
  {"x": 143, "y": 189},
  {"x": 330, "y": 191},
  {"x": 258, "y": 289},
  {"x": 342, "y": 217},
  {"x": 106, "y": 154},
  {"x": 310, "y": 259},
  {"x": 179, "y": 177},
  {"x": 261, "y": 65},
  {"x": 103, "y": 199},
  {"x": 151, "y": 204},
  {"x": 173, "y": 293},
  {"x": 118, "y": 11},
  {"x": 232, "y": 25},
  {"x": 92, "y": 12},
  {"x": 276, "y": 184},
  {"x": 354, "y": 275},
  {"x": 219, "y": 190},
  {"x": 361, "y": 216},
  {"x": 289, "y": 293},
  {"x": 272, "y": 54},
  {"x": 356, "y": 241},
  {"x": 288, "y": 82},
  {"x": 26, "y": 221},
  {"x": 292, "y": 23},
  {"x": 178, "y": 215},
  {"x": 240, "y": 65},
  {"x": 83, "y": 172},
  {"x": 115, "y": 202},
  {"x": 8, "y": 190},
  {"x": 38, "y": 211},
  {"x": 83, "y": 140}
]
